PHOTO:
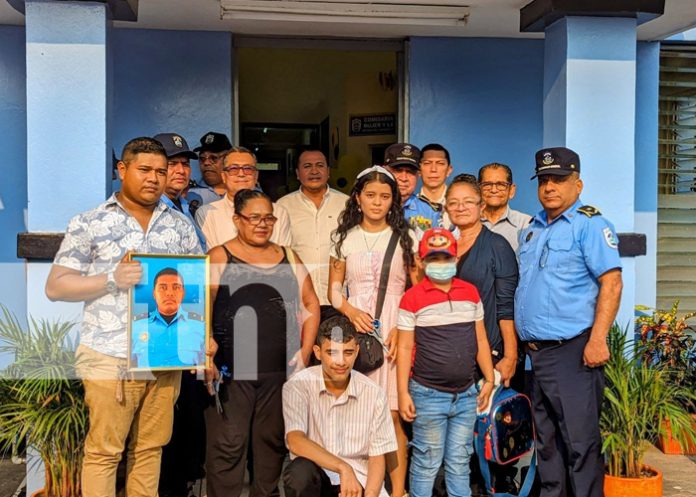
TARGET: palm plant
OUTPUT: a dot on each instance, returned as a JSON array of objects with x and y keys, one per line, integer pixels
[
  {"x": 45, "y": 405},
  {"x": 638, "y": 396}
]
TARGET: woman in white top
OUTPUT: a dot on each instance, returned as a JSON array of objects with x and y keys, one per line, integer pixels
[{"x": 358, "y": 246}]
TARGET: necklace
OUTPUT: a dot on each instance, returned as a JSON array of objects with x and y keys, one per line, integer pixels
[{"x": 370, "y": 247}]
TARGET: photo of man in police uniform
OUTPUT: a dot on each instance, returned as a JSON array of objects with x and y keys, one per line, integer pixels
[{"x": 168, "y": 337}]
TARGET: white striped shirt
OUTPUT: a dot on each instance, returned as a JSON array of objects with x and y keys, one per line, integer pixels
[{"x": 353, "y": 427}]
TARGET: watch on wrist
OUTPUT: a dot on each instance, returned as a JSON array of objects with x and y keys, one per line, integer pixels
[{"x": 111, "y": 286}]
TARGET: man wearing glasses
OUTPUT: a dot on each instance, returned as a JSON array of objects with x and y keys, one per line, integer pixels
[
  {"x": 213, "y": 146},
  {"x": 497, "y": 189},
  {"x": 215, "y": 219}
]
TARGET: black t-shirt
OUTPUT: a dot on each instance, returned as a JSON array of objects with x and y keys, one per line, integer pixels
[{"x": 491, "y": 266}]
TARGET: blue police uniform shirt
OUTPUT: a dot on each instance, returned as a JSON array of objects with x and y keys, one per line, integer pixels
[
  {"x": 187, "y": 213},
  {"x": 157, "y": 343},
  {"x": 560, "y": 264},
  {"x": 420, "y": 215}
]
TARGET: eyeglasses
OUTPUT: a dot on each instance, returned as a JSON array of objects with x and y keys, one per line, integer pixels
[
  {"x": 246, "y": 170},
  {"x": 500, "y": 185},
  {"x": 208, "y": 157},
  {"x": 256, "y": 219},
  {"x": 469, "y": 204}
]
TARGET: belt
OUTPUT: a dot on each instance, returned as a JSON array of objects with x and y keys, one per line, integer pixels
[{"x": 545, "y": 344}]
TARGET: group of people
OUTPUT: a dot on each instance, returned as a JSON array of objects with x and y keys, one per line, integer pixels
[{"x": 471, "y": 287}]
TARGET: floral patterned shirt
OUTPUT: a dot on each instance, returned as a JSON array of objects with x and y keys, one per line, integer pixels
[{"x": 97, "y": 240}]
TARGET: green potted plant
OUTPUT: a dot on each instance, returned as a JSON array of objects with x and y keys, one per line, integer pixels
[
  {"x": 45, "y": 406},
  {"x": 669, "y": 341},
  {"x": 637, "y": 397}
]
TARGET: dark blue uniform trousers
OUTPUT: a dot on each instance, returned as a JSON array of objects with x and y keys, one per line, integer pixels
[{"x": 566, "y": 401}]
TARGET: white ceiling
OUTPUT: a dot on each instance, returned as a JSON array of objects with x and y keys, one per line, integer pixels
[{"x": 488, "y": 18}]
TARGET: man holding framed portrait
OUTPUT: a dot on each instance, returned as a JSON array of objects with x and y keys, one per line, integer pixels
[{"x": 93, "y": 266}]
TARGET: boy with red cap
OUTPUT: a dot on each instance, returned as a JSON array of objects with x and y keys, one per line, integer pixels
[{"x": 442, "y": 316}]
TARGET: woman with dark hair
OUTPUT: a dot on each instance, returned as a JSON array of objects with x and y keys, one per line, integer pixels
[
  {"x": 258, "y": 290},
  {"x": 372, "y": 214},
  {"x": 486, "y": 260}
]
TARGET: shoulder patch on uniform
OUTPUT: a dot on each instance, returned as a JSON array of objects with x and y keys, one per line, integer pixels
[
  {"x": 610, "y": 238},
  {"x": 589, "y": 211},
  {"x": 195, "y": 316},
  {"x": 142, "y": 315}
]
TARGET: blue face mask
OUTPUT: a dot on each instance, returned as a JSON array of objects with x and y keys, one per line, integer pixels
[{"x": 441, "y": 271}]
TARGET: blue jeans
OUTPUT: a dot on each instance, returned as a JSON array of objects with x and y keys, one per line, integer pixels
[{"x": 443, "y": 428}]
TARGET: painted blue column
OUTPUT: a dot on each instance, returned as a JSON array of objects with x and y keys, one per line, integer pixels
[
  {"x": 68, "y": 158},
  {"x": 647, "y": 121},
  {"x": 590, "y": 106}
]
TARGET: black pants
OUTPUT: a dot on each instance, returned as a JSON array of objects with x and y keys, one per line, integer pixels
[
  {"x": 183, "y": 458},
  {"x": 303, "y": 478},
  {"x": 566, "y": 402},
  {"x": 252, "y": 416}
]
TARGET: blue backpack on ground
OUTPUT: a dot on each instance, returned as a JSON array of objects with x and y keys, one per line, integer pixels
[{"x": 504, "y": 434}]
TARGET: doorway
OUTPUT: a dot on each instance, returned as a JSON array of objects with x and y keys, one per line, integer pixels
[{"x": 341, "y": 97}]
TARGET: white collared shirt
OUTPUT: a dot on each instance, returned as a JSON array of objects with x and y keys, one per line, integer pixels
[
  {"x": 215, "y": 220},
  {"x": 311, "y": 229},
  {"x": 353, "y": 427},
  {"x": 509, "y": 225}
]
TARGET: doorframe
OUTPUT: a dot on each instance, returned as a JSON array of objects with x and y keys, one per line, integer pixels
[{"x": 399, "y": 46}]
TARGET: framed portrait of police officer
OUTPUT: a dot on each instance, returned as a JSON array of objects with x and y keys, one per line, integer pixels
[{"x": 168, "y": 325}]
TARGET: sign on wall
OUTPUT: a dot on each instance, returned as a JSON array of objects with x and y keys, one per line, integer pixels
[{"x": 372, "y": 124}]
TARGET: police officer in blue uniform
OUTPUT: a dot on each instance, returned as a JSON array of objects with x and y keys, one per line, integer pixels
[
  {"x": 567, "y": 298},
  {"x": 168, "y": 336}
]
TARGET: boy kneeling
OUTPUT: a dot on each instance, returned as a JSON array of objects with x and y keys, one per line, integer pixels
[{"x": 337, "y": 422}]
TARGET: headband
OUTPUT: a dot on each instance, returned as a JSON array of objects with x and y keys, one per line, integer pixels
[{"x": 376, "y": 169}]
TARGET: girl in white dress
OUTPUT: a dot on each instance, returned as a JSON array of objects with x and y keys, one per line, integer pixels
[{"x": 358, "y": 245}]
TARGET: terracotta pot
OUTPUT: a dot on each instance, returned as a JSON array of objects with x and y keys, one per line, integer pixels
[
  {"x": 669, "y": 445},
  {"x": 615, "y": 486}
]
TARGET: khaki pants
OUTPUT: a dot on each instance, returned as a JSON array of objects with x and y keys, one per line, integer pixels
[{"x": 139, "y": 407}]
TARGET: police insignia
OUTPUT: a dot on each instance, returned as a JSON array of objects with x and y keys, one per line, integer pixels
[
  {"x": 209, "y": 138},
  {"x": 610, "y": 238},
  {"x": 589, "y": 211},
  {"x": 406, "y": 151},
  {"x": 548, "y": 158},
  {"x": 144, "y": 337},
  {"x": 177, "y": 141},
  {"x": 529, "y": 236}
]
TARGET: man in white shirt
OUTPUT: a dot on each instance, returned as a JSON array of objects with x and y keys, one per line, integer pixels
[
  {"x": 314, "y": 210},
  {"x": 497, "y": 189},
  {"x": 337, "y": 423},
  {"x": 215, "y": 219}
]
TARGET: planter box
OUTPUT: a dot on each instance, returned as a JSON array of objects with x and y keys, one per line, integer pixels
[
  {"x": 615, "y": 486},
  {"x": 669, "y": 445}
]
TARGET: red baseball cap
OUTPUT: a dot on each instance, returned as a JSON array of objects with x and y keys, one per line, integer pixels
[{"x": 437, "y": 241}]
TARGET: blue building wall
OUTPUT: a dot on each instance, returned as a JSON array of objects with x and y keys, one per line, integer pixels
[
  {"x": 13, "y": 165},
  {"x": 171, "y": 81},
  {"x": 647, "y": 100},
  {"x": 482, "y": 99}
]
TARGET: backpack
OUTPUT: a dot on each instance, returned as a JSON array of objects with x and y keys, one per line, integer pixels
[{"x": 504, "y": 434}]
